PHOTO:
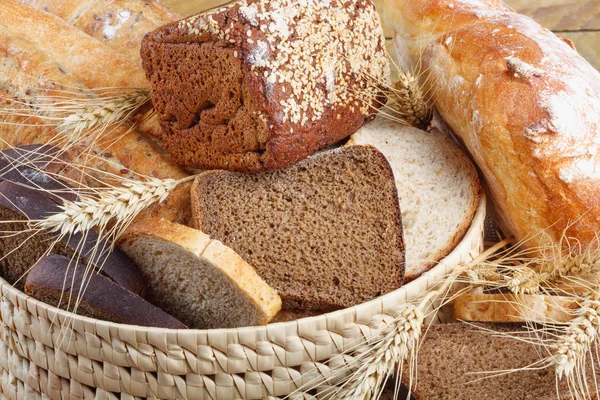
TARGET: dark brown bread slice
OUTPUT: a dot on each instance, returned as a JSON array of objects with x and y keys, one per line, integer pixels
[
  {"x": 451, "y": 353},
  {"x": 325, "y": 232},
  {"x": 255, "y": 85},
  {"x": 58, "y": 281},
  {"x": 20, "y": 250}
]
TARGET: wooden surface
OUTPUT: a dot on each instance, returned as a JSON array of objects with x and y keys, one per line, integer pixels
[{"x": 579, "y": 20}]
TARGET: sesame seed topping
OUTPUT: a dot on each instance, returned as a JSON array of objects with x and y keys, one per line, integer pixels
[{"x": 324, "y": 53}]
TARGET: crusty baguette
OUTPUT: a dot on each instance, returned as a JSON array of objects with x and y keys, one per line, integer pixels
[
  {"x": 120, "y": 24},
  {"x": 199, "y": 280},
  {"x": 524, "y": 103},
  {"x": 60, "y": 282},
  {"x": 505, "y": 307},
  {"x": 95, "y": 64}
]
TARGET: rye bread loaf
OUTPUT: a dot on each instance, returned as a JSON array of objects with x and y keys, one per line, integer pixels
[
  {"x": 199, "y": 280},
  {"x": 63, "y": 283},
  {"x": 452, "y": 354},
  {"x": 438, "y": 188},
  {"x": 258, "y": 84},
  {"x": 325, "y": 232},
  {"x": 20, "y": 249}
]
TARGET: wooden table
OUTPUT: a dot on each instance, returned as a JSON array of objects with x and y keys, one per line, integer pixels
[{"x": 578, "y": 20}]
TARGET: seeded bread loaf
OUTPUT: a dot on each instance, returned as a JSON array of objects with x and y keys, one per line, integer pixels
[
  {"x": 199, "y": 280},
  {"x": 256, "y": 84},
  {"x": 452, "y": 355},
  {"x": 325, "y": 232},
  {"x": 60, "y": 282},
  {"x": 438, "y": 188}
]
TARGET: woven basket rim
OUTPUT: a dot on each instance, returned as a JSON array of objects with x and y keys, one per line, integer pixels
[{"x": 421, "y": 283}]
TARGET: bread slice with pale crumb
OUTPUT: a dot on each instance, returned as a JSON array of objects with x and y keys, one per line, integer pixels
[
  {"x": 202, "y": 282},
  {"x": 438, "y": 188}
]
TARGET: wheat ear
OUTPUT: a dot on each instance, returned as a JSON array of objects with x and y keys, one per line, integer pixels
[
  {"x": 118, "y": 205},
  {"x": 99, "y": 112}
]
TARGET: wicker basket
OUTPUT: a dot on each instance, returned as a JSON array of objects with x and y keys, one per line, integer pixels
[{"x": 49, "y": 353}]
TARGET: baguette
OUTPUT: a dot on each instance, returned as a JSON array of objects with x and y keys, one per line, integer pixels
[
  {"x": 120, "y": 24},
  {"x": 93, "y": 63},
  {"x": 514, "y": 308},
  {"x": 524, "y": 103}
]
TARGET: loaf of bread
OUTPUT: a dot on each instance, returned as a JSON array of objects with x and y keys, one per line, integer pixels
[
  {"x": 325, "y": 232},
  {"x": 508, "y": 307},
  {"x": 63, "y": 283},
  {"x": 438, "y": 188},
  {"x": 121, "y": 24},
  {"x": 201, "y": 281},
  {"x": 94, "y": 64},
  {"x": 258, "y": 84},
  {"x": 523, "y": 102}
]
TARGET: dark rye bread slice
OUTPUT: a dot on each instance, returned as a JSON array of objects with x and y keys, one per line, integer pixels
[
  {"x": 452, "y": 354},
  {"x": 20, "y": 250},
  {"x": 255, "y": 84},
  {"x": 58, "y": 281},
  {"x": 325, "y": 232}
]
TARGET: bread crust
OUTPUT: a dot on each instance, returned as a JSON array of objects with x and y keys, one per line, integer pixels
[{"x": 523, "y": 102}]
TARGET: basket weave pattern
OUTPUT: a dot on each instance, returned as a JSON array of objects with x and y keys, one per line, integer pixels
[{"x": 50, "y": 353}]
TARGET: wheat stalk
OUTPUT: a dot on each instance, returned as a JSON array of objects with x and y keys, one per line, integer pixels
[
  {"x": 98, "y": 112},
  {"x": 118, "y": 204},
  {"x": 400, "y": 340},
  {"x": 409, "y": 100},
  {"x": 576, "y": 341}
]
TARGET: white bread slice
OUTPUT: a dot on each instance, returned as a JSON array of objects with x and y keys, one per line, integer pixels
[
  {"x": 198, "y": 279},
  {"x": 438, "y": 188},
  {"x": 508, "y": 307}
]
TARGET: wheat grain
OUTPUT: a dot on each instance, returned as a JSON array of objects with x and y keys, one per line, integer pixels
[
  {"x": 399, "y": 339},
  {"x": 576, "y": 341},
  {"x": 409, "y": 101},
  {"x": 99, "y": 113},
  {"x": 119, "y": 205}
]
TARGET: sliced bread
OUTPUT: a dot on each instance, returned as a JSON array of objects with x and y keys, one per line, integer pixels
[
  {"x": 61, "y": 282},
  {"x": 21, "y": 249},
  {"x": 438, "y": 188},
  {"x": 452, "y": 356},
  {"x": 201, "y": 281},
  {"x": 325, "y": 232}
]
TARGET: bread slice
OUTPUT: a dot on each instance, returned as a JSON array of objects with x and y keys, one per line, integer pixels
[
  {"x": 60, "y": 282},
  {"x": 437, "y": 184},
  {"x": 325, "y": 232},
  {"x": 21, "y": 249},
  {"x": 201, "y": 281},
  {"x": 451, "y": 355},
  {"x": 508, "y": 307}
]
